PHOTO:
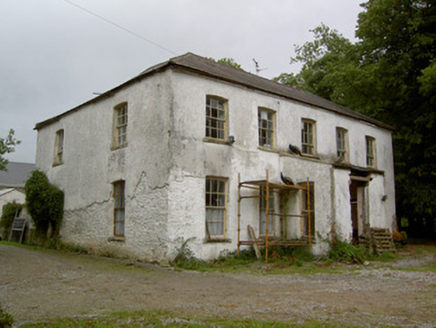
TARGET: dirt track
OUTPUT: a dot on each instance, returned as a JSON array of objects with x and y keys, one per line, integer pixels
[{"x": 40, "y": 284}]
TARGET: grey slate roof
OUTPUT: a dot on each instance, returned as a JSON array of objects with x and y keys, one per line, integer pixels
[
  {"x": 202, "y": 66},
  {"x": 16, "y": 175}
]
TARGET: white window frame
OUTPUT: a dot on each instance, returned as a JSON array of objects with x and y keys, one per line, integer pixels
[{"x": 216, "y": 207}]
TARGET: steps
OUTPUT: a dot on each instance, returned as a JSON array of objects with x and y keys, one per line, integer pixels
[{"x": 382, "y": 241}]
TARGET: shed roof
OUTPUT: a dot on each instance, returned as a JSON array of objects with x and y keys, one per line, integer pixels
[
  {"x": 195, "y": 64},
  {"x": 16, "y": 175}
]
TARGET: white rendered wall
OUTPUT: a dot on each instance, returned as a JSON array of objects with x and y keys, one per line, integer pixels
[{"x": 167, "y": 160}]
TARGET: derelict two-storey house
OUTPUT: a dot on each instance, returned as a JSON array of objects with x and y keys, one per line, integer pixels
[{"x": 193, "y": 150}]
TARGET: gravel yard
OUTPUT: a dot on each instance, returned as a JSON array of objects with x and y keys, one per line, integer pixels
[{"x": 38, "y": 284}]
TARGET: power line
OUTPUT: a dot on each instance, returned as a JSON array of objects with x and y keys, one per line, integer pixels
[{"x": 120, "y": 27}]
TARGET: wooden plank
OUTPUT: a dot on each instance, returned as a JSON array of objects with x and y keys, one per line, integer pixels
[{"x": 253, "y": 237}]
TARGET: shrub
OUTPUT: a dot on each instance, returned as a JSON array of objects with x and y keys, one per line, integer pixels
[
  {"x": 6, "y": 320},
  {"x": 45, "y": 203},
  {"x": 8, "y": 214}
]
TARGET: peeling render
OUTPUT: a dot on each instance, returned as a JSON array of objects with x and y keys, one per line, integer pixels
[{"x": 167, "y": 160}]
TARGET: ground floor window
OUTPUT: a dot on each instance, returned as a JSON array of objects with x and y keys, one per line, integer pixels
[
  {"x": 119, "y": 208},
  {"x": 216, "y": 207},
  {"x": 308, "y": 207},
  {"x": 262, "y": 213}
]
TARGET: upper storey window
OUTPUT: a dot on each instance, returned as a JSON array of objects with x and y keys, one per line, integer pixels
[
  {"x": 266, "y": 128},
  {"x": 342, "y": 143},
  {"x": 308, "y": 137},
  {"x": 216, "y": 118},
  {"x": 59, "y": 147},
  {"x": 370, "y": 152},
  {"x": 120, "y": 125}
]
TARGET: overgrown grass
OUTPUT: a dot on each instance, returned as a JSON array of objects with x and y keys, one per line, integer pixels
[{"x": 169, "y": 319}]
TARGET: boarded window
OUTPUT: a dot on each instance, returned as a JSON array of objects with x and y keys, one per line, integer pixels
[
  {"x": 216, "y": 207},
  {"x": 59, "y": 147}
]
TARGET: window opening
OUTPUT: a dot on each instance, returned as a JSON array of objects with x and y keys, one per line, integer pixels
[
  {"x": 370, "y": 151},
  {"x": 341, "y": 143},
  {"x": 59, "y": 147},
  {"x": 121, "y": 118},
  {"x": 308, "y": 138},
  {"x": 119, "y": 208},
  {"x": 216, "y": 118},
  {"x": 266, "y": 128},
  {"x": 215, "y": 207}
]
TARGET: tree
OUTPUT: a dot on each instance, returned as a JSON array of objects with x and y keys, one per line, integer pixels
[
  {"x": 45, "y": 204},
  {"x": 389, "y": 74},
  {"x": 227, "y": 61},
  {"x": 7, "y": 145}
]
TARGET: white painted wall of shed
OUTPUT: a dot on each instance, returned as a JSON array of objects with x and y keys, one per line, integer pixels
[{"x": 167, "y": 161}]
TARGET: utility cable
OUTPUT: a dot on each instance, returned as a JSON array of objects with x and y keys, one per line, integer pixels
[{"x": 120, "y": 27}]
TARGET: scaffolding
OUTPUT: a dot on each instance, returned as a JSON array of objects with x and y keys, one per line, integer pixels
[{"x": 265, "y": 188}]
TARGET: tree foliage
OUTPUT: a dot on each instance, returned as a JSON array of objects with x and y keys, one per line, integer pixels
[
  {"x": 8, "y": 214},
  {"x": 7, "y": 145},
  {"x": 44, "y": 202},
  {"x": 227, "y": 61},
  {"x": 388, "y": 74}
]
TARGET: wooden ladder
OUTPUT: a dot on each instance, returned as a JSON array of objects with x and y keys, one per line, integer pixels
[{"x": 19, "y": 225}]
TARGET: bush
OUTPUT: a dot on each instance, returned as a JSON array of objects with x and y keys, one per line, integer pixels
[
  {"x": 6, "y": 320},
  {"x": 8, "y": 215},
  {"x": 45, "y": 203}
]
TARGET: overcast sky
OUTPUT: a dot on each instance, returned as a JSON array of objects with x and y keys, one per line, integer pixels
[{"x": 54, "y": 55}]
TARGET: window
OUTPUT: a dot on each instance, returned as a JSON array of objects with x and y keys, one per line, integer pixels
[
  {"x": 342, "y": 143},
  {"x": 216, "y": 113},
  {"x": 119, "y": 208},
  {"x": 370, "y": 151},
  {"x": 59, "y": 147},
  {"x": 308, "y": 137},
  {"x": 215, "y": 207},
  {"x": 266, "y": 128},
  {"x": 120, "y": 125},
  {"x": 262, "y": 213},
  {"x": 305, "y": 210}
]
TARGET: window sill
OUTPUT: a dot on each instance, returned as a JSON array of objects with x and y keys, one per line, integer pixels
[
  {"x": 217, "y": 141},
  {"x": 271, "y": 150},
  {"x": 217, "y": 240},
  {"x": 116, "y": 239},
  {"x": 118, "y": 147}
]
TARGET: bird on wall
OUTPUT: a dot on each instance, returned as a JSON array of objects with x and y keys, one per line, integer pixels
[
  {"x": 286, "y": 180},
  {"x": 294, "y": 149}
]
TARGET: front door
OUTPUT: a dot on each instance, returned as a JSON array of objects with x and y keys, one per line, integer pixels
[{"x": 358, "y": 209}]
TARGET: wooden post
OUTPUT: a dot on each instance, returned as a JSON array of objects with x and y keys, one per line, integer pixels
[
  {"x": 239, "y": 213},
  {"x": 267, "y": 217}
]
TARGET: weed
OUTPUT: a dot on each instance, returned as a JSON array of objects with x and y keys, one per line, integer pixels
[
  {"x": 185, "y": 259},
  {"x": 344, "y": 251},
  {"x": 6, "y": 320}
]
